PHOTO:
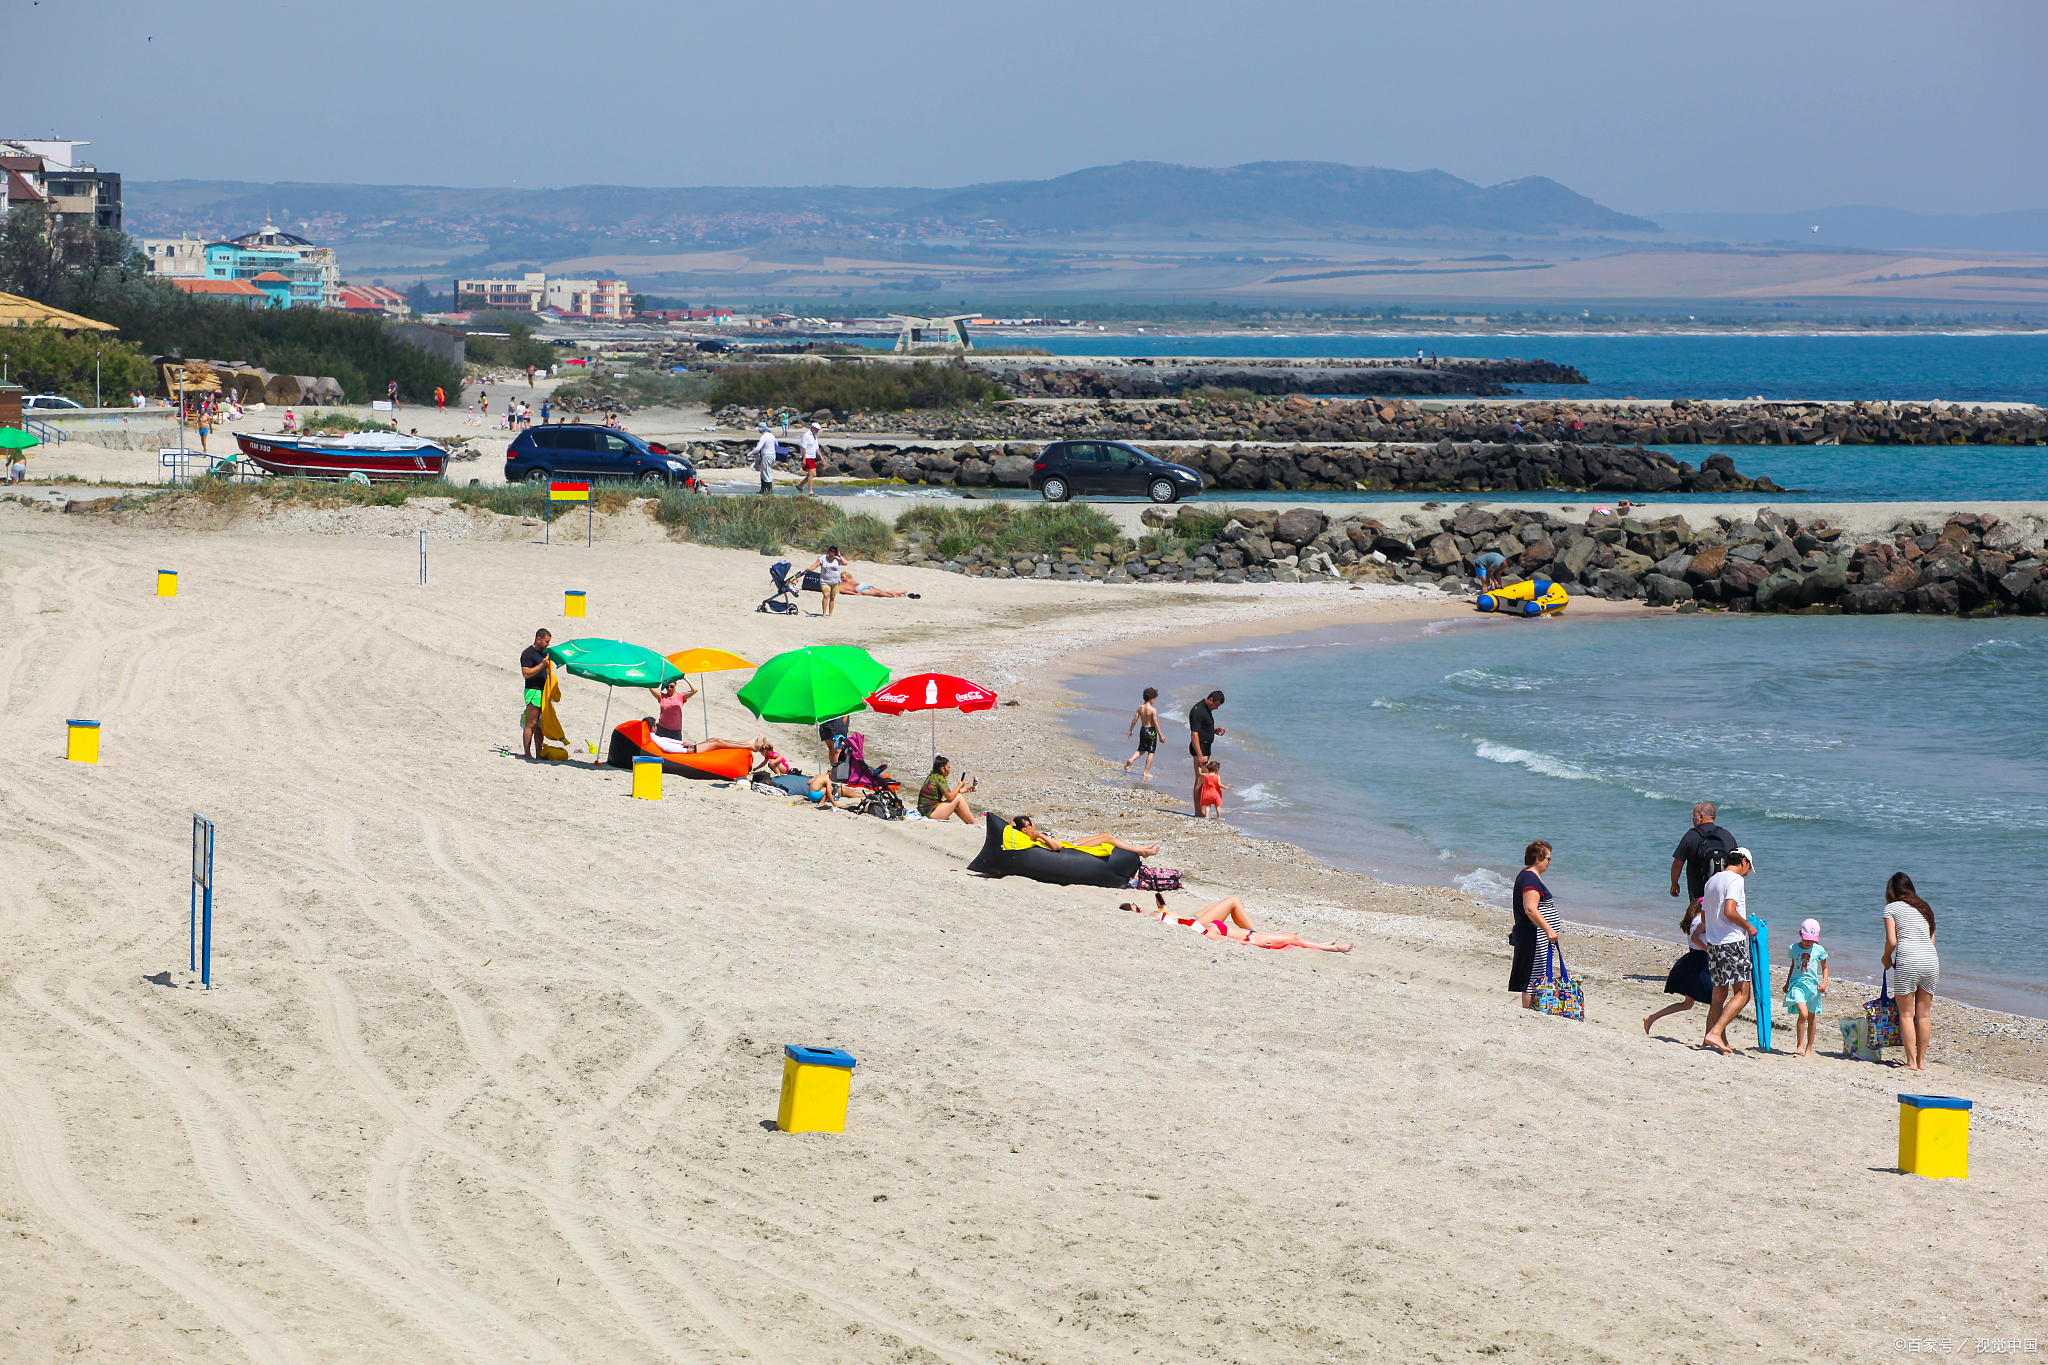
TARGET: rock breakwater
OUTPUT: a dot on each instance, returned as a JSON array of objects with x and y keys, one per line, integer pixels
[
  {"x": 1154, "y": 377},
  {"x": 1380, "y": 421}
]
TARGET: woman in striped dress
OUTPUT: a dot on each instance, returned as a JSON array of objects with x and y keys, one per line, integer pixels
[{"x": 1916, "y": 968}]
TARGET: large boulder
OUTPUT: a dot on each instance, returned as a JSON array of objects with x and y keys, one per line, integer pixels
[
  {"x": 1442, "y": 554},
  {"x": 1707, "y": 564},
  {"x": 1740, "y": 578},
  {"x": 1013, "y": 471},
  {"x": 1872, "y": 599},
  {"x": 1779, "y": 592},
  {"x": 1662, "y": 591},
  {"x": 1300, "y": 525}
]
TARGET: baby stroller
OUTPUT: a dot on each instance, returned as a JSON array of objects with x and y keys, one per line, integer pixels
[
  {"x": 782, "y": 602},
  {"x": 850, "y": 767}
]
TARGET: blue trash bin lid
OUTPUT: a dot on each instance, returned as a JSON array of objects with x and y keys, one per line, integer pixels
[
  {"x": 1936, "y": 1102},
  {"x": 818, "y": 1056}
]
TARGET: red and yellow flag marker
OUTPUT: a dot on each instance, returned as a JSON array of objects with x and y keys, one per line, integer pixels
[{"x": 568, "y": 490}]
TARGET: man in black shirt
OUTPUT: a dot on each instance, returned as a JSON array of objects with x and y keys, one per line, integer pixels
[
  {"x": 533, "y": 676},
  {"x": 1696, "y": 851},
  {"x": 1202, "y": 732}
]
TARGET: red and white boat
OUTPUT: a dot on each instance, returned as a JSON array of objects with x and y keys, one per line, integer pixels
[{"x": 375, "y": 455}]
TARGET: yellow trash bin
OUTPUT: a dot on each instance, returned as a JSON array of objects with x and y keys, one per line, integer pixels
[
  {"x": 166, "y": 582},
  {"x": 647, "y": 778},
  {"x": 816, "y": 1084},
  {"x": 82, "y": 741},
  {"x": 572, "y": 603},
  {"x": 1934, "y": 1136}
]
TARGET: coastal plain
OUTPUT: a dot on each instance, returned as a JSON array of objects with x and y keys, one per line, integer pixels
[{"x": 489, "y": 1070}]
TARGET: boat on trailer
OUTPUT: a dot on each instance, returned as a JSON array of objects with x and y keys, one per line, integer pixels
[{"x": 375, "y": 455}]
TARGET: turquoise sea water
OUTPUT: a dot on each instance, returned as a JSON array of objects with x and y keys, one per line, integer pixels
[
  {"x": 1840, "y": 750},
  {"x": 1957, "y": 369}
]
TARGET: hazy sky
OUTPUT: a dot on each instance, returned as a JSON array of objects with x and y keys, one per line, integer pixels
[{"x": 1722, "y": 105}]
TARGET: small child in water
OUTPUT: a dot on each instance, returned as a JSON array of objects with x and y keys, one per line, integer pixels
[
  {"x": 1209, "y": 800},
  {"x": 1145, "y": 720},
  {"x": 1806, "y": 985}
]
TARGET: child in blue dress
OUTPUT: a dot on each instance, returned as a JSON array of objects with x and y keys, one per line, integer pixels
[{"x": 1806, "y": 984}]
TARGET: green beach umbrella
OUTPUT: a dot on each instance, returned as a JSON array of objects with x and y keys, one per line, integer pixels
[
  {"x": 14, "y": 438},
  {"x": 615, "y": 664},
  {"x": 809, "y": 686}
]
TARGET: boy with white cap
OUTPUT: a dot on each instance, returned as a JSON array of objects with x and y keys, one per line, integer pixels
[{"x": 1806, "y": 984}]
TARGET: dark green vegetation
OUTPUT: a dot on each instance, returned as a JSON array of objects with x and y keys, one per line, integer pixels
[
  {"x": 340, "y": 424},
  {"x": 1008, "y": 531},
  {"x": 514, "y": 351},
  {"x": 638, "y": 388},
  {"x": 854, "y": 387},
  {"x": 42, "y": 359}
]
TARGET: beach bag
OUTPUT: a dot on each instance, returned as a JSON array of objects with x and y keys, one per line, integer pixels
[
  {"x": 884, "y": 804},
  {"x": 1559, "y": 994},
  {"x": 1155, "y": 879},
  {"x": 1881, "y": 1016}
]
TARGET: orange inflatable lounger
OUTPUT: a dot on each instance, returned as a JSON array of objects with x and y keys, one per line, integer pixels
[{"x": 635, "y": 739}]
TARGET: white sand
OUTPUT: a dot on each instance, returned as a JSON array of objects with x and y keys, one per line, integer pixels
[{"x": 487, "y": 1070}]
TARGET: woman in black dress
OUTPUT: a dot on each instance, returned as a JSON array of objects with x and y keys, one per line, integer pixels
[
  {"x": 1687, "y": 979},
  {"x": 1535, "y": 921}
]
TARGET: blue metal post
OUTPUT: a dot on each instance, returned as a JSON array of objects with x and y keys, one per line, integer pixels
[{"x": 199, "y": 928}]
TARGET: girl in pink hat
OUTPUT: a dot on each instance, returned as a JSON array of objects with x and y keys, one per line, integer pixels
[{"x": 1806, "y": 984}]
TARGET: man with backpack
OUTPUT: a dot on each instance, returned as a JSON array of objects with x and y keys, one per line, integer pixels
[{"x": 1701, "y": 853}]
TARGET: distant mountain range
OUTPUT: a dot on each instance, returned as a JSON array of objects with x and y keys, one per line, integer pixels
[
  {"x": 1313, "y": 198},
  {"x": 1867, "y": 225}
]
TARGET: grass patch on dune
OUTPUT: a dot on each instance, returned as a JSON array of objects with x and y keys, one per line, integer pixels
[
  {"x": 746, "y": 523},
  {"x": 1039, "y": 528},
  {"x": 855, "y": 386}
]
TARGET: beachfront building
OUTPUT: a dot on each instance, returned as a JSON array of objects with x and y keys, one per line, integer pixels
[
  {"x": 48, "y": 172},
  {"x": 375, "y": 299},
  {"x": 934, "y": 334},
  {"x": 175, "y": 258},
  {"x": 243, "y": 292},
  {"x": 600, "y": 300},
  {"x": 314, "y": 272},
  {"x": 525, "y": 294}
]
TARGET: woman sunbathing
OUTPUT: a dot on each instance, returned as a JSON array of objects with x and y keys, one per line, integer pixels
[
  {"x": 859, "y": 589},
  {"x": 1227, "y": 919},
  {"x": 1023, "y": 834}
]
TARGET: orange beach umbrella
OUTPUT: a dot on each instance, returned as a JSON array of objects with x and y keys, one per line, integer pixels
[{"x": 702, "y": 661}]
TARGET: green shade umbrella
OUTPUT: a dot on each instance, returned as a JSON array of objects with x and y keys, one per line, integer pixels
[
  {"x": 14, "y": 438},
  {"x": 809, "y": 686},
  {"x": 615, "y": 664}
]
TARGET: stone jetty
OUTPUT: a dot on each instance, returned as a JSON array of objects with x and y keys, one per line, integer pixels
[
  {"x": 1969, "y": 564},
  {"x": 1166, "y": 377}
]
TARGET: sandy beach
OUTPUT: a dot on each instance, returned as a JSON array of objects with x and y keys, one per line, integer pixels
[{"x": 489, "y": 1072}]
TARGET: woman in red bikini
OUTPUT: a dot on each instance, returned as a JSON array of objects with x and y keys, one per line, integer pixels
[{"x": 1227, "y": 919}]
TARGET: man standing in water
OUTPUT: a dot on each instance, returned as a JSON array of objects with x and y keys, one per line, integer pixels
[
  {"x": 764, "y": 459},
  {"x": 533, "y": 675},
  {"x": 1202, "y": 732}
]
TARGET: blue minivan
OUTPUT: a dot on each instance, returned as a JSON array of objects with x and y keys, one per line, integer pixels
[{"x": 580, "y": 450}]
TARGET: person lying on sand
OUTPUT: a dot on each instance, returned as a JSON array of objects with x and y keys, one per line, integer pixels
[
  {"x": 759, "y": 745},
  {"x": 1028, "y": 834},
  {"x": 1227, "y": 919},
  {"x": 859, "y": 589}
]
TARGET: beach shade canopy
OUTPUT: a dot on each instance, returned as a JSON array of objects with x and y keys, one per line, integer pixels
[
  {"x": 932, "y": 692},
  {"x": 702, "y": 661},
  {"x": 810, "y": 686},
  {"x": 706, "y": 661},
  {"x": 613, "y": 662},
  {"x": 14, "y": 438}
]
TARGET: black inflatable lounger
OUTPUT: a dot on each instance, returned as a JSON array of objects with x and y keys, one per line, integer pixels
[{"x": 1067, "y": 867}]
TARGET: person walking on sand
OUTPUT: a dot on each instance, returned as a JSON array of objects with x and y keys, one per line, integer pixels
[
  {"x": 807, "y": 445},
  {"x": 831, "y": 571},
  {"x": 533, "y": 676},
  {"x": 1701, "y": 853},
  {"x": 440, "y": 399},
  {"x": 1209, "y": 796},
  {"x": 391, "y": 392},
  {"x": 1688, "y": 978},
  {"x": 1805, "y": 984},
  {"x": 529, "y": 376},
  {"x": 1202, "y": 732},
  {"x": 1724, "y": 931},
  {"x": 1915, "y": 966},
  {"x": 1145, "y": 721},
  {"x": 764, "y": 459},
  {"x": 1535, "y": 921}
]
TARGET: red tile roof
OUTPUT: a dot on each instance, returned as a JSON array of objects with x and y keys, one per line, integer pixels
[
  {"x": 222, "y": 287},
  {"x": 272, "y": 277}
]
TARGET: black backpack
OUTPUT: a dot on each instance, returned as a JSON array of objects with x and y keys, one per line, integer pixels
[{"x": 1712, "y": 854}]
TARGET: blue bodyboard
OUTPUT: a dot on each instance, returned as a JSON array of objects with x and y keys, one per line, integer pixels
[{"x": 1760, "y": 980}]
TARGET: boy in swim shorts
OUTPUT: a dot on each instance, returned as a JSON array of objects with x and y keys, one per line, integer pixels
[
  {"x": 1807, "y": 984},
  {"x": 1145, "y": 720}
]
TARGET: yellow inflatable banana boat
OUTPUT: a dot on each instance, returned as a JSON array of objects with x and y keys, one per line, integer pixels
[{"x": 1530, "y": 597}]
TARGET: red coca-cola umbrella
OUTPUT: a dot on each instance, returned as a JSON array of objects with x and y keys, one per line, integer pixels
[{"x": 934, "y": 692}]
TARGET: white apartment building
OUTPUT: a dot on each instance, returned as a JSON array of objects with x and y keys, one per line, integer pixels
[
  {"x": 175, "y": 258},
  {"x": 609, "y": 300},
  {"x": 525, "y": 294}
]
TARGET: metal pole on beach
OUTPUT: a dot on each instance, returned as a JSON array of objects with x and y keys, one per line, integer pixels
[{"x": 423, "y": 559}]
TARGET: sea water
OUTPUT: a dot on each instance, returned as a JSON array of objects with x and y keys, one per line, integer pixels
[
  {"x": 1839, "y": 750},
  {"x": 1955, "y": 368}
]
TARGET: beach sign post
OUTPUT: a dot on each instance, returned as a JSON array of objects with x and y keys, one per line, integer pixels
[
  {"x": 199, "y": 927},
  {"x": 423, "y": 559},
  {"x": 561, "y": 490}
]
